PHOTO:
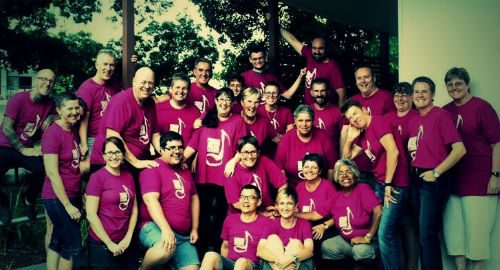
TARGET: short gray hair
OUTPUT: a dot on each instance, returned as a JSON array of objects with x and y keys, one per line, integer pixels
[{"x": 302, "y": 108}]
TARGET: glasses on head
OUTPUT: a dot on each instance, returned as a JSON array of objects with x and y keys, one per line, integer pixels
[
  {"x": 249, "y": 198},
  {"x": 116, "y": 154},
  {"x": 224, "y": 100},
  {"x": 173, "y": 148},
  {"x": 346, "y": 173},
  {"x": 249, "y": 153},
  {"x": 457, "y": 84},
  {"x": 270, "y": 94},
  {"x": 45, "y": 79}
]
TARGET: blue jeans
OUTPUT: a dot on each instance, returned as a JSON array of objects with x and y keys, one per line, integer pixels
[
  {"x": 430, "y": 199},
  {"x": 388, "y": 238}
]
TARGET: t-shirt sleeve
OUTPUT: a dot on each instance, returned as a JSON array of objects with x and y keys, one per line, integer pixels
[
  {"x": 288, "y": 117},
  {"x": 14, "y": 106},
  {"x": 224, "y": 235},
  {"x": 84, "y": 93},
  {"x": 275, "y": 176},
  {"x": 117, "y": 115},
  {"x": 50, "y": 142},
  {"x": 448, "y": 130},
  {"x": 94, "y": 187},
  {"x": 331, "y": 153},
  {"x": 306, "y": 230},
  {"x": 368, "y": 198},
  {"x": 194, "y": 141},
  {"x": 383, "y": 127},
  {"x": 149, "y": 181},
  {"x": 232, "y": 189},
  {"x": 306, "y": 52},
  {"x": 490, "y": 124}
]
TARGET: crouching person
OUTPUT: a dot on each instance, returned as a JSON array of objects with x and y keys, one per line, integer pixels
[
  {"x": 171, "y": 208},
  {"x": 242, "y": 235},
  {"x": 291, "y": 247}
]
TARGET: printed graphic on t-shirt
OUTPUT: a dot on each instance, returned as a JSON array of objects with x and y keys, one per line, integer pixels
[
  {"x": 124, "y": 198},
  {"x": 178, "y": 127},
  {"x": 144, "y": 133},
  {"x": 257, "y": 182},
  {"x": 321, "y": 124},
  {"x": 345, "y": 222},
  {"x": 179, "y": 186},
  {"x": 460, "y": 121},
  {"x": 30, "y": 129},
  {"x": 309, "y": 208},
  {"x": 216, "y": 148},
  {"x": 275, "y": 123},
  {"x": 369, "y": 153},
  {"x": 104, "y": 103},
  {"x": 75, "y": 163},
  {"x": 241, "y": 243},
  {"x": 202, "y": 105},
  {"x": 310, "y": 76},
  {"x": 413, "y": 142}
]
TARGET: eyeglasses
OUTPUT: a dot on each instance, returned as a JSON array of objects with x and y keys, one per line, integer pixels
[
  {"x": 399, "y": 95},
  {"x": 270, "y": 94},
  {"x": 45, "y": 79},
  {"x": 457, "y": 84},
  {"x": 224, "y": 100},
  {"x": 249, "y": 153},
  {"x": 249, "y": 197},
  {"x": 173, "y": 148},
  {"x": 116, "y": 154},
  {"x": 346, "y": 173}
]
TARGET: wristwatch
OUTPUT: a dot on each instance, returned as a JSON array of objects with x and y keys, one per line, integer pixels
[
  {"x": 435, "y": 173},
  {"x": 496, "y": 174},
  {"x": 326, "y": 226},
  {"x": 368, "y": 237}
]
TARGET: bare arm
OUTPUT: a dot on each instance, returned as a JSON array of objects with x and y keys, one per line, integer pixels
[
  {"x": 351, "y": 150},
  {"x": 195, "y": 216},
  {"x": 224, "y": 249},
  {"x": 341, "y": 94},
  {"x": 494, "y": 183},
  {"x": 10, "y": 133},
  {"x": 125, "y": 242},
  {"x": 91, "y": 207},
  {"x": 311, "y": 216},
  {"x": 188, "y": 152},
  {"x": 156, "y": 141},
  {"x": 292, "y": 40},
  {"x": 82, "y": 131},
  {"x": 152, "y": 202},
  {"x": 291, "y": 91},
  {"x": 391, "y": 163},
  {"x": 456, "y": 153}
]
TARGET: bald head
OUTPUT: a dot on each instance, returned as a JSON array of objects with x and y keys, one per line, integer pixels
[
  {"x": 143, "y": 83},
  {"x": 45, "y": 80}
]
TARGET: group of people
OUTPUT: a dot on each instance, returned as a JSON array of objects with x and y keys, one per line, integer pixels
[{"x": 228, "y": 178}]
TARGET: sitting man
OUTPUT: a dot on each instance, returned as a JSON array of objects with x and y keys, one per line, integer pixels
[
  {"x": 291, "y": 246},
  {"x": 241, "y": 235},
  {"x": 26, "y": 116},
  {"x": 171, "y": 208}
]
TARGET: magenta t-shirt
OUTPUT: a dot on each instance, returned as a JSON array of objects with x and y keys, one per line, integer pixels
[
  {"x": 279, "y": 119},
  {"x": 116, "y": 200},
  {"x": 477, "y": 122},
  {"x": 301, "y": 231},
  {"x": 369, "y": 141},
  {"x": 317, "y": 200},
  {"x": 263, "y": 175},
  {"x": 431, "y": 137},
  {"x": 291, "y": 152},
  {"x": 176, "y": 187},
  {"x": 216, "y": 146},
  {"x": 135, "y": 123},
  {"x": 329, "y": 71},
  {"x": 28, "y": 117},
  {"x": 400, "y": 124},
  {"x": 64, "y": 144},
  {"x": 328, "y": 119},
  {"x": 178, "y": 120},
  {"x": 243, "y": 238},
  {"x": 97, "y": 97},
  {"x": 352, "y": 213},
  {"x": 202, "y": 98},
  {"x": 236, "y": 108},
  {"x": 261, "y": 129},
  {"x": 258, "y": 80}
]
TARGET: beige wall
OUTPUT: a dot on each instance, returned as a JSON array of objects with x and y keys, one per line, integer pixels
[{"x": 435, "y": 35}]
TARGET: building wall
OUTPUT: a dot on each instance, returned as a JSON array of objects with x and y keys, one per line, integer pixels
[{"x": 435, "y": 35}]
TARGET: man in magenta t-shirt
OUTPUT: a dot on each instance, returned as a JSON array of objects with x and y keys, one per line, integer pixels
[
  {"x": 96, "y": 93},
  {"x": 202, "y": 95},
  {"x": 171, "y": 208},
  {"x": 326, "y": 115},
  {"x": 176, "y": 114},
  {"x": 26, "y": 116},
  {"x": 319, "y": 65},
  {"x": 131, "y": 116},
  {"x": 241, "y": 235}
]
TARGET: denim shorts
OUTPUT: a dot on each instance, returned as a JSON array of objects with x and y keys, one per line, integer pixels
[
  {"x": 185, "y": 252},
  {"x": 66, "y": 237}
]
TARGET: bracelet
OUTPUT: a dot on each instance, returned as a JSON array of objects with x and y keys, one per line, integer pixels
[{"x": 388, "y": 184}]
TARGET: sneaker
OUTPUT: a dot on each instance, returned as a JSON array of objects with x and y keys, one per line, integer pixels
[{"x": 4, "y": 216}]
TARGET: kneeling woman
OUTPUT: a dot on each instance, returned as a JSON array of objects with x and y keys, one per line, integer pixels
[
  {"x": 111, "y": 207},
  {"x": 291, "y": 247}
]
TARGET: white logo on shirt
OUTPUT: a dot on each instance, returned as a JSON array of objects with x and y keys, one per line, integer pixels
[
  {"x": 345, "y": 222},
  {"x": 30, "y": 129},
  {"x": 369, "y": 153},
  {"x": 215, "y": 149},
  {"x": 321, "y": 124},
  {"x": 178, "y": 127},
  {"x": 460, "y": 121},
  {"x": 75, "y": 163},
  {"x": 400, "y": 130},
  {"x": 309, "y": 208},
  {"x": 144, "y": 133},
  {"x": 413, "y": 142},
  {"x": 104, "y": 103},
  {"x": 275, "y": 123},
  {"x": 124, "y": 198},
  {"x": 179, "y": 186},
  {"x": 368, "y": 111},
  {"x": 257, "y": 182},
  {"x": 241, "y": 243},
  {"x": 310, "y": 76},
  {"x": 202, "y": 105}
]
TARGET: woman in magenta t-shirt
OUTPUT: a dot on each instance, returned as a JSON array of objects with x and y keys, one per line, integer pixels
[
  {"x": 61, "y": 194},
  {"x": 301, "y": 140},
  {"x": 215, "y": 144},
  {"x": 435, "y": 146},
  {"x": 257, "y": 170},
  {"x": 256, "y": 124},
  {"x": 111, "y": 207},
  {"x": 472, "y": 208}
]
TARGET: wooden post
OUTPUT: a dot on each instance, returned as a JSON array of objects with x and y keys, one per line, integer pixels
[
  {"x": 274, "y": 36},
  {"x": 128, "y": 68}
]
